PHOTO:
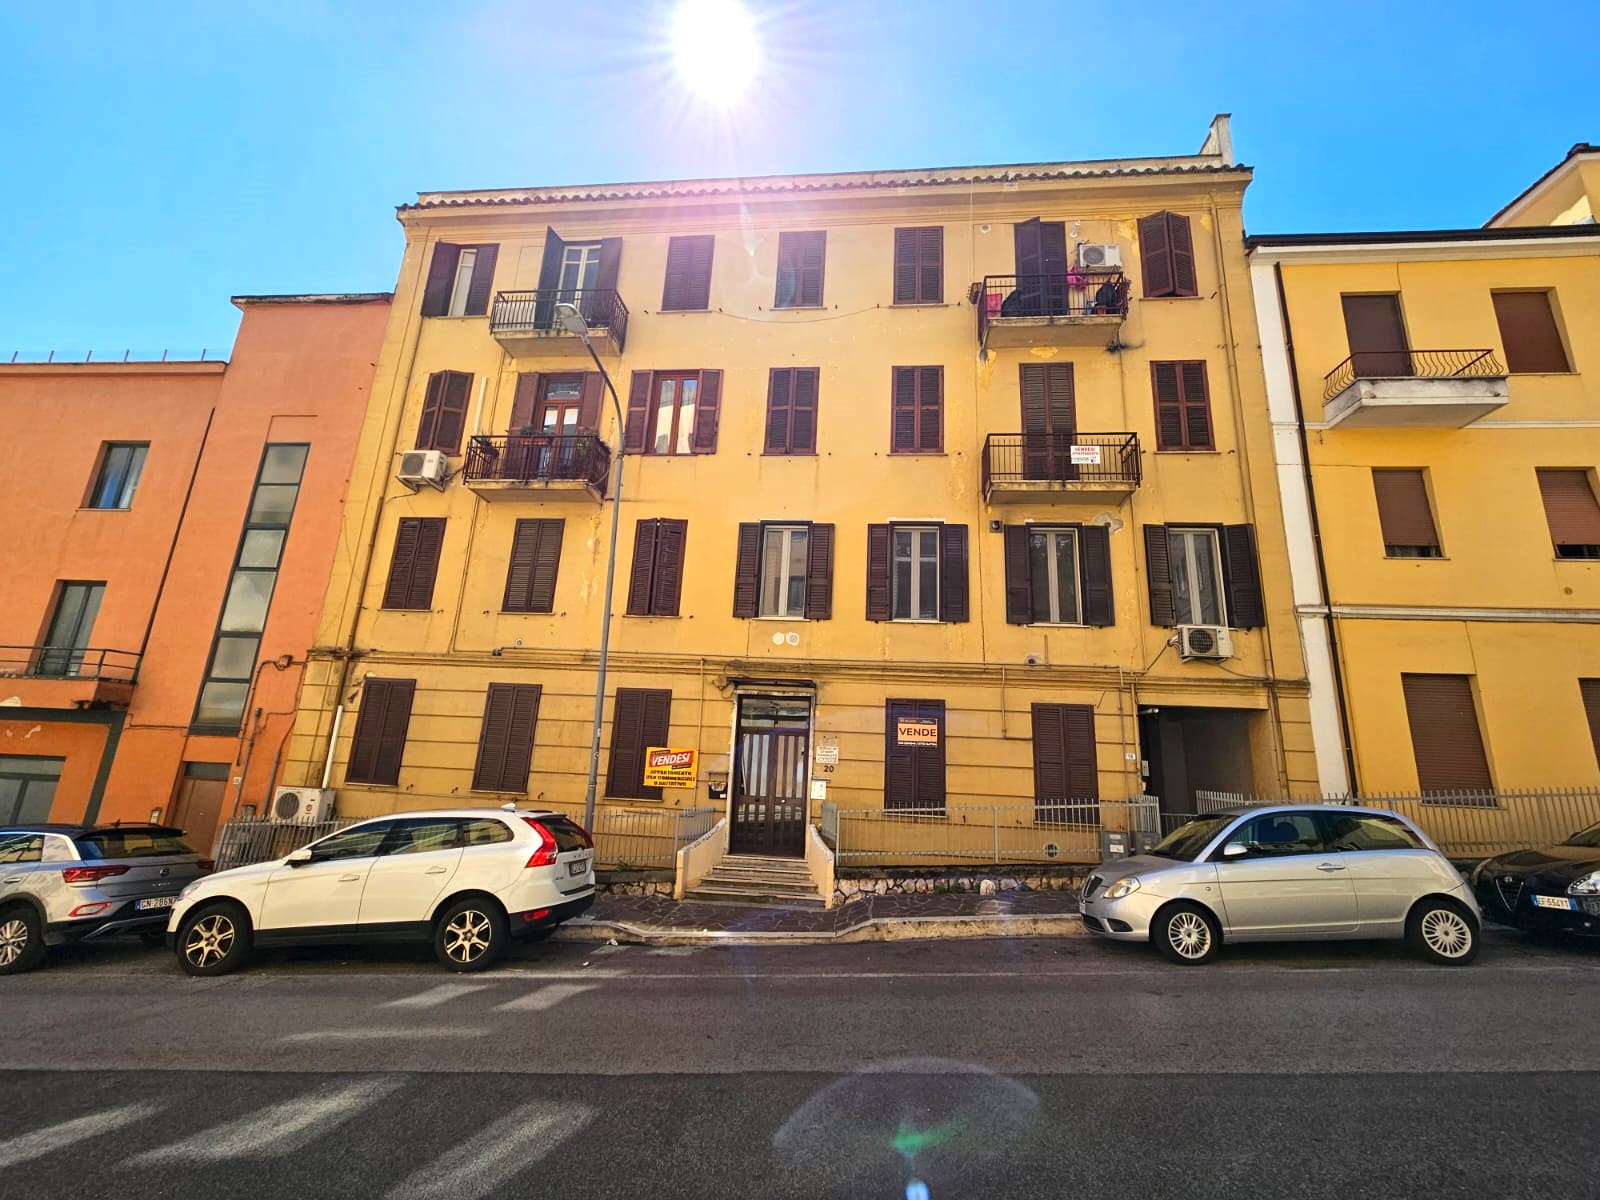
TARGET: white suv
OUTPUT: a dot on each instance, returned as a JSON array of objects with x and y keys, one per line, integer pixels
[{"x": 468, "y": 880}]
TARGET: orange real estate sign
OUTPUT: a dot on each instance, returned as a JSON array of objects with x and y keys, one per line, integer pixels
[{"x": 665, "y": 766}]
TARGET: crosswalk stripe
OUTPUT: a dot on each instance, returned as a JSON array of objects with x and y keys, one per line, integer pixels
[
  {"x": 436, "y": 996},
  {"x": 545, "y": 998},
  {"x": 40, "y": 1142},
  {"x": 279, "y": 1128},
  {"x": 482, "y": 1164},
  {"x": 389, "y": 1033}
]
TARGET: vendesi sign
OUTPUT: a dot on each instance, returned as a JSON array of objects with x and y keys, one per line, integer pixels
[
  {"x": 1085, "y": 456},
  {"x": 666, "y": 766},
  {"x": 911, "y": 732}
]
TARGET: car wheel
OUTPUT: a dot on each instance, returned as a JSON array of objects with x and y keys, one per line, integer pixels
[
  {"x": 1441, "y": 931},
  {"x": 1187, "y": 933},
  {"x": 469, "y": 935},
  {"x": 21, "y": 940},
  {"x": 214, "y": 939}
]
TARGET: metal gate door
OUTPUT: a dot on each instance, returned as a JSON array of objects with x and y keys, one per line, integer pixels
[{"x": 769, "y": 798}]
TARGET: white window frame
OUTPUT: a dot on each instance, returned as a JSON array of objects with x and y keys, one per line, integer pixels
[
  {"x": 913, "y": 605},
  {"x": 588, "y": 253},
  {"x": 1184, "y": 605},
  {"x": 1052, "y": 564},
  {"x": 466, "y": 263},
  {"x": 785, "y": 575}
]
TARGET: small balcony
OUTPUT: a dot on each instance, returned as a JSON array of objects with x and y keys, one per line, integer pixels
[
  {"x": 67, "y": 677},
  {"x": 525, "y": 322},
  {"x": 1079, "y": 308},
  {"x": 542, "y": 466},
  {"x": 1024, "y": 467},
  {"x": 1414, "y": 389}
]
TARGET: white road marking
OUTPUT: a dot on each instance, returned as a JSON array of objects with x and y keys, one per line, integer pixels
[
  {"x": 403, "y": 1033},
  {"x": 546, "y": 997},
  {"x": 481, "y": 1165},
  {"x": 436, "y": 996},
  {"x": 278, "y": 1129},
  {"x": 40, "y": 1142}
]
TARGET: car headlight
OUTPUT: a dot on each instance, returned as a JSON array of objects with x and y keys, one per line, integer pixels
[
  {"x": 1123, "y": 887},
  {"x": 1589, "y": 885},
  {"x": 189, "y": 889}
]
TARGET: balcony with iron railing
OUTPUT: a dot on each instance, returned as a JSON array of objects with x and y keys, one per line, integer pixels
[
  {"x": 1076, "y": 308},
  {"x": 525, "y": 322},
  {"x": 550, "y": 466},
  {"x": 68, "y": 676},
  {"x": 1414, "y": 388},
  {"x": 1020, "y": 467}
]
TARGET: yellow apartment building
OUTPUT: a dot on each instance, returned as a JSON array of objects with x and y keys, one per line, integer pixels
[
  {"x": 939, "y": 488},
  {"x": 1435, "y": 400}
]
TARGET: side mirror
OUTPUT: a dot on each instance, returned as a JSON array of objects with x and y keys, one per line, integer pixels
[
  {"x": 300, "y": 857},
  {"x": 1234, "y": 850}
]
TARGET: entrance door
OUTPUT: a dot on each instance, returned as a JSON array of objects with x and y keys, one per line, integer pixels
[
  {"x": 200, "y": 797},
  {"x": 1377, "y": 334},
  {"x": 1049, "y": 421},
  {"x": 769, "y": 776}
]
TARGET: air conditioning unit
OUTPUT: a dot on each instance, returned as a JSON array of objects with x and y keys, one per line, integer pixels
[
  {"x": 419, "y": 467},
  {"x": 1099, "y": 256},
  {"x": 301, "y": 806},
  {"x": 1205, "y": 641}
]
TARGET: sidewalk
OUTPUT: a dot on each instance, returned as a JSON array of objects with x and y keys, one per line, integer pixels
[{"x": 651, "y": 921}]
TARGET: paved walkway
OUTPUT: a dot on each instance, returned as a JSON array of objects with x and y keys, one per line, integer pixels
[{"x": 648, "y": 919}]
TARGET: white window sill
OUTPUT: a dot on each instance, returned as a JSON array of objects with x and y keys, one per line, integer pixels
[
  {"x": 782, "y": 620},
  {"x": 1060, "y": 625},
  {"x": 916, "y": 621}
]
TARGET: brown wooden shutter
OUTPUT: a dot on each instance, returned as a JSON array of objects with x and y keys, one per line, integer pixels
[
  {"x": 803, "y": 414},
  {"x": 1169, "y": 405},
  {"x": 644, "y": 561},
  {"x": 590, "y": 400},
  {"x": 1029, "y": 254},
  {"x": 1403, "y": 511},
  {"x": 432, "y": 402},
  {"x": 747, "y": 571},
  {"x": 535, "y": 561},
  {"x": 799, "y": 275},
  {"x": 879, "y": 607},
  {"x": 444, "y": 412},
  {"x": 1181, "y": 242},
  {"x": 905, "y": 266},
  {"x": 953, "y": 573},
  {"x": 919, "y": 265},
  {"x": 903, "y": 414},
  {"x": 415, "y": 563},
  {"x": 1590, "y": 690},
  {"x": 482, "y": 280},
  {"x": 550, "y": 263},
  {"x": 688, "y": 282},
  {"x": 930, "y": 409},
  {"x": 1377, "y": 336},
  {"x": 1019, "y": 576},
  {"x": 1155, "y": 255},
  {"x": 1529, "y": 332},
  {"x": 525, "y": 402},
  {"x": 1158, "y": 576},
  {"x": 638, "y": 428},
  {"x": 605, "y": 278},
  {"x": 1094, "y": 569},
  {"x": 1183, "y": 405},
  {"x": 379, "y": 742},
  {"x": 707, "y": 413},
  {"x": 641, "y": 717},
  {"x": 1065, "y": 762},
  {"x": 1243, "y": 577},
  {"x": 441, "y": 277},
  {"x": 1569, "y": 506},
  {"x": 913, "y": 776},
  {"x": 505, "y": 743},
  {"x": 666, "y": 587},
  {"x": 780, "y": 408},
  {"x": 819, "y": 573},
  {"x": 1444, "y": 734}
]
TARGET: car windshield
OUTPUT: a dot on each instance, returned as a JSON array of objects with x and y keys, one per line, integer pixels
[
  {"x": 1187, "y": 841},
  {"x": 1589, "y": 837},
  {"x": 131, "y": 843}
]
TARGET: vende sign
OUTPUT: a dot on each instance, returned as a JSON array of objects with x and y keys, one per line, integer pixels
[
  {"x": 916, "y": 733},
  {"x": 666, "y": 766}
]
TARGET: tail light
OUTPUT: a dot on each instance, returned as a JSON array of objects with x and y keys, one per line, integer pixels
[
  {"x": 91, "y": 874},
  {"x": 89, "y": 910},
  {"x": 545, "y": 855},
  {"x": 207, "y": 864}
]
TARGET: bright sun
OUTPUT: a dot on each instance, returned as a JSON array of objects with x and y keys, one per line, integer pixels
[{"x": 715, "y": 47}]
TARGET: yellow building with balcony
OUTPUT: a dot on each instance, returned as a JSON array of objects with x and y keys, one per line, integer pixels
[
  {"x": 1435, "y": 399},
  {"x": 939, "y": 488}
]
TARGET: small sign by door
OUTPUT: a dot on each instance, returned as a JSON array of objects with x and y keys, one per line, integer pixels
[
  {"x": 827, "y": 751},
  {"x": 668, "y": 767},
  {"x": 911, "y": 732}
]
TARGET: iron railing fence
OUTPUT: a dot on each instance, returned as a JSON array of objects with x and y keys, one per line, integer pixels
[
  {"x": 69, "y": 662},
  {"x": 538, "y": 458},
  {"x": 1465, "y": 824},
  {"x": 1068, "y": 831},
  {"x": 1108, "y": 458},
  {"x": 1069, "y": 294},
  {"x": 534, "y": 312},
  {"x": 1408, "y": 364},
  {"x": 252, "y": 840}
]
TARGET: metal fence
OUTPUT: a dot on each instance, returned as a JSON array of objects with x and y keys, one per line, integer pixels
[
  {"x": 1465, "y": 825},
  {"x": 69, "y": 662},
  {"x": 1092, "y": 458},
  {"x": 1070, "y": 294},
  {"x": 243, "y": 841},
  {"x": 1068, "y": 831},
  {"x": 635, "y": 840},
  {"x": 538, "y": 458},
  {"x": 534, "y": 312},
  {"x": 1410, "y": 364}
]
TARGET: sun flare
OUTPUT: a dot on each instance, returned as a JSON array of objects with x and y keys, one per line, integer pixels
[{"x": 715, "y": 47}]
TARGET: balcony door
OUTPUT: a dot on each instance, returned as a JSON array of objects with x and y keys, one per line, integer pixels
[
  {"x": 1049, "y": 421},
  {"x": 1041, "y": 269},
  {"x": 1377, "y": 333},
  {"x": 77, "y": 605}
]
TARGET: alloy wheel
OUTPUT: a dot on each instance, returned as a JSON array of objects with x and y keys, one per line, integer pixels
[
  {"x": 1189, "y": 934},
  {"x": 209, "y": 940},
  {"x": 13, "y": 940},
  {"x": 1446, "y": 932},
  {"x": 466, "y": 937}
]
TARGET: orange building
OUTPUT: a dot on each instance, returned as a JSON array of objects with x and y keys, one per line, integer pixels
[{"x": 170, "y": 528}]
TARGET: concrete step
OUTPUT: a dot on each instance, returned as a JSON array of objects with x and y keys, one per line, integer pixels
[
  {"x": 758, "y": 860},
  {"x": 777, "y": 887},
  {"x": 714, "y": 893},
  {"x": 761, "y": 872}
]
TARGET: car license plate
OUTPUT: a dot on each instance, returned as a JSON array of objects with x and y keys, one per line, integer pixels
[
  {"x": 579, "y": 867},
  {"x": 1553, "y": 902},
  {"x": 157, "y": 902}
]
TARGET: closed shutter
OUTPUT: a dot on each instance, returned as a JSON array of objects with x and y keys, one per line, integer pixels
[
  {"x": 919, "y": 265},
  {"x": 1029, "y": 255},
  {"x": 380, "y": 738},
  {"x": 953, "y": 573},
  {"x": 505, "y": 743},
  {"x": 1183, "y": 405},
  {"x": 589, "y": 401},
  {"x": 913, "y": 775},
  {"x": 1158, "y": 576},
  {"x": 930, "y": 408},
  {"x": 525, "y": 401},
  {"x": 444, "y": 411},
  {"x": 1019, "y": 576},
  {"x": 917, "y": 410},
  {"x": 1403, "y": 511},
  {"x": 535, "y": 559},
  {"x": 1240, "y": 565},
  {"x": 1444, "y": 734},
  {"x": 1590, "y": 690},
  {"x": 819, "y": 573},
  {"x": 747, "y": 571},
  {"x": 879, "y": 607},
  {"x": 432, "y": 403},
  {"x": 792, "y": 410},
  {"x": 1065, "y": 766},
  {"x": 1094, "y": 571},
  {"x": 1570, "y": 508},
  {"x": 667, "y": 587},
  {"x": 1049, "y": 420},
  {"x": 707, "y": 413},
  {"x": 641, "y": 717},
  {"x": 903, "y": 411},
  {"x": 688, "y": 282},
  {"x": 482, "y": 280},
  {"x": 644, "y": 561},
  {"x": 638, "y": 426},
  {"x": 1529, "y": 332},
  {"x": 441, "y": 276},
  {"x": 1181, "y": 241},
  {"x": 415, "y": 563},
  {"x": 800, "y": 261},
  {"x": 1166, "y": 252},
  {"x": 803, "y": 420},
  {"x": 1376, "y": 333}
]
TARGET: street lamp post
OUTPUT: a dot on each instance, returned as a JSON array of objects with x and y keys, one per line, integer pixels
[{"x": 572, "y": 321}]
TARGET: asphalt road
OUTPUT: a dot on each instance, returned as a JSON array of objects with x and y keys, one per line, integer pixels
[{"x": 1028, "y": 1068}]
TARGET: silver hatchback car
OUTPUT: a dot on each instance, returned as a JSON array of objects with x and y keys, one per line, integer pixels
[{"x": 1285, "y": 873}]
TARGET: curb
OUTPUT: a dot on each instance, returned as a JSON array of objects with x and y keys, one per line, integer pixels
[{"x": 874, "y": 929}]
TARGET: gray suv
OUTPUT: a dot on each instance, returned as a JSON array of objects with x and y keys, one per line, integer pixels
[{"x": 72, "y": 883}]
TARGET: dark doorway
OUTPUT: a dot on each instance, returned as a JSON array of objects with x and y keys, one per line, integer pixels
[
  {"x": 1190, "y": 750},
  {"x": 769, "y": 776}
]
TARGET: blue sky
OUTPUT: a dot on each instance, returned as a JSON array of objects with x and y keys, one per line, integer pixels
[{"x": 164, "y": 156}]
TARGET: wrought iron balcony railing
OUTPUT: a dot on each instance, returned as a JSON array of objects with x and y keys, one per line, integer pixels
[
  {"x": 1073, "y": 294},
  {"x": 534, "y": 313},
  {"x": 538, "y": 458},
  {"x": 69, "y": 662},
  {"x": 1407, "y": 364},
  {"x": 1090, "y": 458}
]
